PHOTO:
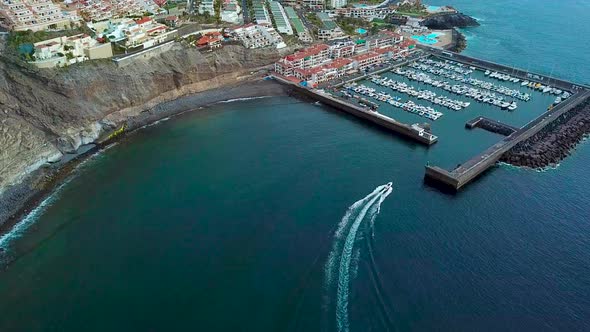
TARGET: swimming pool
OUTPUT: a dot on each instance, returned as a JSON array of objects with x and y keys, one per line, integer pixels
[
  {"x": 427, "y": 39},
  {"x": 361, "y": 31},
  {"x": 432, "y": 9}
]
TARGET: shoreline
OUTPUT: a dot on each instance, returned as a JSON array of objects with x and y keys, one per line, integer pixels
[{"x": 21, "y": 199}]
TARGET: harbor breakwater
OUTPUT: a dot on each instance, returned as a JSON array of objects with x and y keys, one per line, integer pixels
[{"x": 554, "y": 142}]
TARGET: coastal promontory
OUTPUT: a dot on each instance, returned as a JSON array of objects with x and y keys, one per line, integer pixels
[{"x": 449, "y": 20}]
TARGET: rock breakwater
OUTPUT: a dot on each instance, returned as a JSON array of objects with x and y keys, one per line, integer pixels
[{"x": 554, "y": 142}]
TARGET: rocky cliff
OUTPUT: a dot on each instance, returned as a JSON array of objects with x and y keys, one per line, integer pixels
[
  {"x": 449, "y": 21},
  {"x": 46, "y": 113}
]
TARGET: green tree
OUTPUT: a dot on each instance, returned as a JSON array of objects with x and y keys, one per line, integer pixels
[{"x": 217, "y": 6}]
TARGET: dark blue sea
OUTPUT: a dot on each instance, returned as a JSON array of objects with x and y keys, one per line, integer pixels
[{"x": 272, "y": 215}]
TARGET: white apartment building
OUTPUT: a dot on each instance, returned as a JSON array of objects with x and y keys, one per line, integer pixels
[
  {"x": 207, "y": 6},
  {"x": 366, "y": 13},
  {"x": 63, "y": 51},
  {"x": 338, "y": 3},
  {"x": 305, "y": 59},
  {"x": 258, "y": 36},
  {"x": 36, "y": 15},
  {"x": 280, "y": 17}
]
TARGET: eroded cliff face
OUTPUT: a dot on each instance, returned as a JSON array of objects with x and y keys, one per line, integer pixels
[{"x": 45, "y": 113}]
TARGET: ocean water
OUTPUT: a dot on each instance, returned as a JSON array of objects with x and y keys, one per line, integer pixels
[{"x": 270, "y": 215}]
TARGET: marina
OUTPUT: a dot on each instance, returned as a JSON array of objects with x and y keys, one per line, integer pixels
[
  {"x": 480, "y": 95},
  {"x": 366, "y": 111},
  {"x": 568, "y": 95},
  {"x": 509, "y": 107},
  {"x": 409, "y": 106}
]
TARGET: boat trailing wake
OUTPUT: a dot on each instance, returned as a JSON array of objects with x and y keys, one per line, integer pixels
[
  {"x": 342, "y": 252},
  {"x": 342, "y": 226}
]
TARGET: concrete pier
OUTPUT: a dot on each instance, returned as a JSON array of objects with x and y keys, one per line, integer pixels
[
  {"x": 471, "y": 169},
  {"x": 405, "y": 130},
  {"x": 491, "y": 125}
]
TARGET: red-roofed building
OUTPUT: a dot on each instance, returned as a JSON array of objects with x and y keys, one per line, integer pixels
[
  {"x": 407, "y": 43},
  {"x": 211, "y": 39},
  {"x": 368, "y": 59},
  {"x": 334, "y": 69},
  {"x": 342, "y": 49},
  {"x": 304, "y": 59},
  {"x": 383, "y": 39},
  {"x": 144, "y": 21},
  {"x": 406, "y": 46},
  {"x": 171, "y": 20},
  {"x": 387, "y": 52}
]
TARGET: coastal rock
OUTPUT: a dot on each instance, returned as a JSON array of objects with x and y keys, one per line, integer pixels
[
  {"x": 449, "y": 21},
  {"x": 554, "y": 142}
]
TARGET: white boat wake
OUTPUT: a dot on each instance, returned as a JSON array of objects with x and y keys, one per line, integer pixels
[
  {"x": 369, "y": 208},
  {"x": 342, "y": 226}
]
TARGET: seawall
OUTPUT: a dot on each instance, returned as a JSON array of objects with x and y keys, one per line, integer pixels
[{"x": 382, "y": 121}]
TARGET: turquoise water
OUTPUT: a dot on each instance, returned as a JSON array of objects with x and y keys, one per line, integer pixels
[
  {"x": 432, "y": 8},
  {"x": 225, "y": 219},
  {"x": 361, "y": 31},
  {"x": 429, "y": 39}
]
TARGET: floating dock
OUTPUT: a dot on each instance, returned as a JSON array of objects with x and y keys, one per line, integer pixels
[
  {"x": 492, "y": 66},
  {"x": 412, "y": 132}
]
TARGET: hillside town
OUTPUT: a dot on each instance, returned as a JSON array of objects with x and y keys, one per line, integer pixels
[{"x": 339, "y": 36}]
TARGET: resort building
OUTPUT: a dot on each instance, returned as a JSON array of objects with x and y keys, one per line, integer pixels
[
  {"x": 335, "y": 69},
  {"x": 383, "y": 39},
  {"x": 210, "y": 39},
  {"x": 305, "y": 59},
  {"x": 63, "y": 51},
  {"x": 342, "y": 49},
  {"x": 406, "y": 46},
  {"x": 280, "y": 18},
  {"x": 338, "y": 3},
  {"x": 365, "y": 12},
  {"x": 99, "y": 10},
  {"x": 258, "y": 35},
  {"x": 323, "y": 62},
  {"x": 231, "y": 12},
  {"x": 412, "y": 29},
  {"x": 366, "y": 60},
  {"x": 206, "y": 6},
  {"x": 36, "y": 15},
  {"x": 261, "y": 15},
  {"x": 329, "y": 29},
  {"x": 313, "y": 4},
  {"x": 131, "y": 33},
  {"x": 302, "y": 32}
]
